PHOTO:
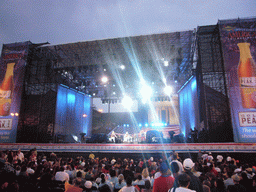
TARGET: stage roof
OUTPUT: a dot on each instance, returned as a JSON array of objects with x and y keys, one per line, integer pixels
[{"x": 151, "y": 57}]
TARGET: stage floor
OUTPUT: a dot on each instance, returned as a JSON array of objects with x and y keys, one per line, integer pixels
[{"x": 133, "y": 148}]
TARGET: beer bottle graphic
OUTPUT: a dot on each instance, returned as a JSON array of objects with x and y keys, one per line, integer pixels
[
  {"x": 247, "y": 76},
  {"x": 6, "y": 89}
]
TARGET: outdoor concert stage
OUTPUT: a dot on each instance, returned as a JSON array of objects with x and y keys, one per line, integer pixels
[{"x": 133, "y": 148}]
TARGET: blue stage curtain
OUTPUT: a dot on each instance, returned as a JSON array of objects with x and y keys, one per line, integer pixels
[
  {"x": 188, "y": 103},
  {"x": 70, "y": 108}
]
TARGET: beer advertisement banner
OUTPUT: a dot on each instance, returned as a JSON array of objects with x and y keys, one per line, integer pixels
[
  {"x": 12, "y": 69},
  {"x": 238, "y": 39}
]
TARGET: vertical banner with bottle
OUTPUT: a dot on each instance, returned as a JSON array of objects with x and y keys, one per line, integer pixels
[
  {"x": 12, "y": 69},
  {"x": 238, "y": 39}
]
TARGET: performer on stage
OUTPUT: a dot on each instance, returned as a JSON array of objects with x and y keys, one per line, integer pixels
[{"x": 113, "y": 137}]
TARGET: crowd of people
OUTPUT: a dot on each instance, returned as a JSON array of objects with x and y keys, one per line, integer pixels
[{"x": 30, "y": 171}]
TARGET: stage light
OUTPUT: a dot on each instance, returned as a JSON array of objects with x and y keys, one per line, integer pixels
[
  {"x": 84, "y": 115},
  {"x": 168, "y": 90},
  {"x": 124, "y": 125},
  {"x": 146, "y": 125},
  {"x": 166, "y": 63},
  {"x": 16, "y": 114},
  {"x": 127, "y": 102},
  {"x": 104, "y": 79},
  {"x": 12, "y": 114},
  {"x": 100, "y": 110},
  {"x": 140, "y": 125},
  {"x": 122, "y": 67}
]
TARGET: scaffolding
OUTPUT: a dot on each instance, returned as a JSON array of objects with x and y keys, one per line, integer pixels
[
  {"x": 37, "y": 111},
  {"x": 213, "y": 95}
]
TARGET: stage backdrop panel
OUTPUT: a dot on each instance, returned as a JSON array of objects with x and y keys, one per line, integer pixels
[
  {"x": 188, "y": 102},
  {"x": 238, "y": 38},
  {"x": 12, "y": 69},
  {"x": 73, "y": 113}
]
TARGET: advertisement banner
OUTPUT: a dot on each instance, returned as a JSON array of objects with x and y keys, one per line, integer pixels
[
  {"x": 238, "y": 39},
  {"x": 12, "y": 69}
]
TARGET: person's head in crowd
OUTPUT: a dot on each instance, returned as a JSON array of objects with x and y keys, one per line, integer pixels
[
  {"x": 244, "y": 176},
  {"x": 104, "y": 188},
  {"x": 112, "y": 173},
  {"x": 103, "y": 178},
  {"x": 139, "y": 177},
  {"x": 77, "y": 181},
  {"x": 210, "y": 176},
  {"x": 163, "y": 168},
  {"x": 128, "y": 181},
  {"x": 207, "y": 183},
  {"x": 184, "y": 180},
  {"x": 188, "y": 164},
  {"x": 98, "y": 180},
  {"x": 145, "y": 173},
  {"x": 206, "y": 188},
  {"x": 236, "y": 178},
  {"x": 175, "y": 156},
  {"x": 120, "y": 178},
  {"x": 147, "y": 184},
  {"x": 79, "y": 174},
  {"x": 228, "y": 159},
  {"x": 88, "y": 185}
]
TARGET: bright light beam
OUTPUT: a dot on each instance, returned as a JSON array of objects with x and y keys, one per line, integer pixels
[
  {"x": 146, "y": 92},
  {"x": 127, "y": 102}
]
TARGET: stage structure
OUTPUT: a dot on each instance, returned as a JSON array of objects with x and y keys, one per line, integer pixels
[
  {"x": 159, "y": 59},
  {"x": 201, "y": 66},
  {"x": 212, "y": 87}
]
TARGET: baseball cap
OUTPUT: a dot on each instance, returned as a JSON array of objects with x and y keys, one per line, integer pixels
[
  {"x": 88, "y": 184},
  {"x": 188, "y": 163}
]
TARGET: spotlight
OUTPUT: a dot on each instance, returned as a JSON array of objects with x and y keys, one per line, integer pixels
[
  {"x": 84, "y": 115},
  {"x": 16, "y": 114},
  {"x": 104, "y": 79},
  {"x": 12, "y": 114},
  {"x": 122, "y": 67},
  {"x": 166, "y": 63},
  {"x": 168, "y": 90}
]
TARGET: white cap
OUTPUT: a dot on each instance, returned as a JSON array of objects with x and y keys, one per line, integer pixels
[
  {"x": 219, "y": 158},
  {"x": 188, "y": 163},
  {"x": 88, "y": 184},
  {"x": 151, "y": 159},
  {"x": 228, "y": 158}
]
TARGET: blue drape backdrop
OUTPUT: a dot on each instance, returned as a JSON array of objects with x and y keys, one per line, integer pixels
[
  {"x": 70, "y": 110},
  {"x": 188, "y": 103}
]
